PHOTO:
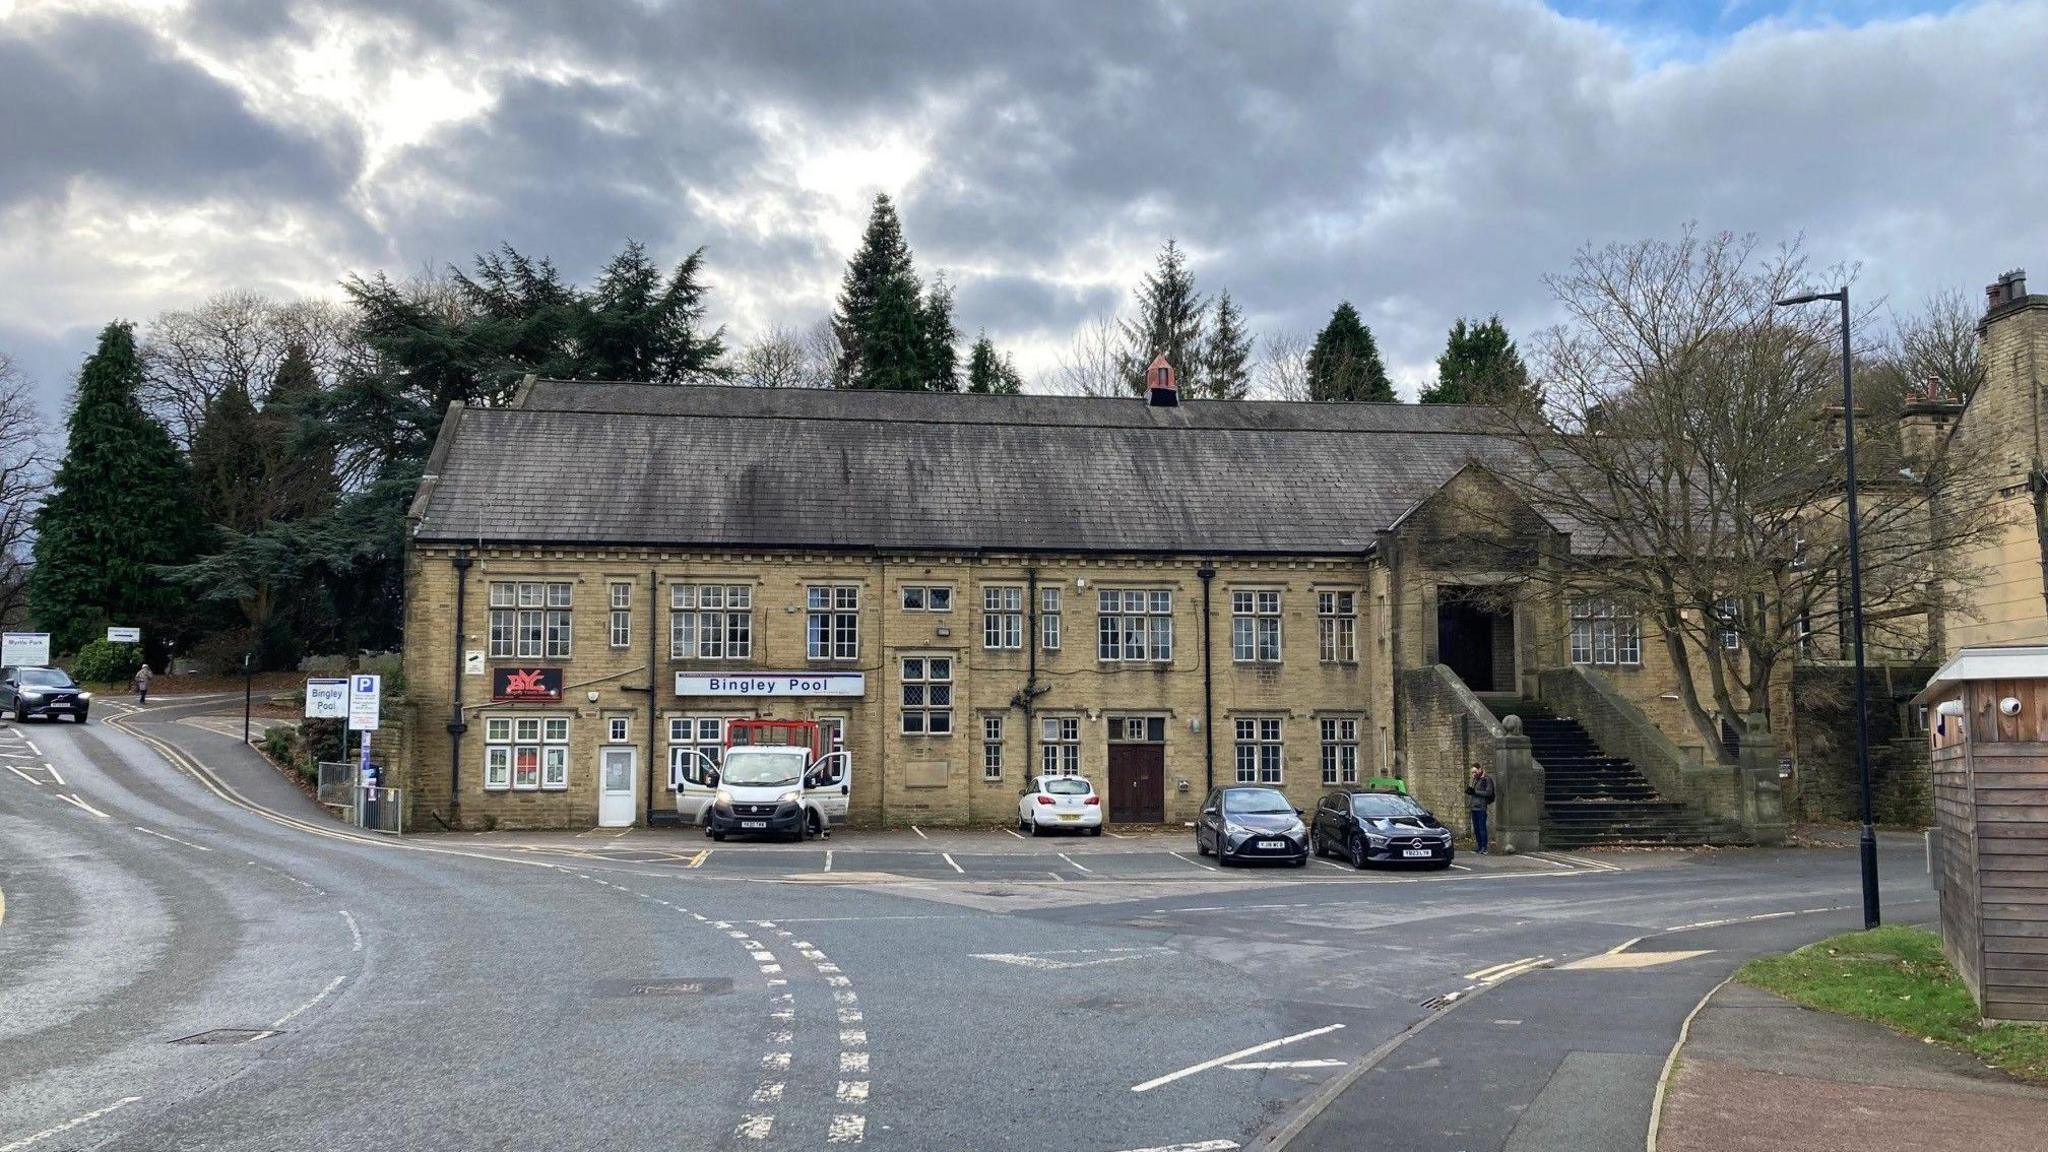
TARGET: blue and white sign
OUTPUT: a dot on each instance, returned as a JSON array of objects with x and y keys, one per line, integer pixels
[
  {"x": 364, "y": 699},
  {"x": 773, "y": 684}
]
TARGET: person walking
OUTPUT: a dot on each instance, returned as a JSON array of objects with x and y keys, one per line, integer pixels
[
  {"x": 1479, "y": 797},
  {"x": 142, "y": 678}
]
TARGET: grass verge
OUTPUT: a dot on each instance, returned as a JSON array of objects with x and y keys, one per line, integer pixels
[{"x": 1898, "y": 978}]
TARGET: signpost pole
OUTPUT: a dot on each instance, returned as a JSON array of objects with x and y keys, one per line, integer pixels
[{"x": 248, "y": 693}]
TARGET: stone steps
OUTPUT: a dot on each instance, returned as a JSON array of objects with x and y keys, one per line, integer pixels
[{"x": 1591, "y": 798}]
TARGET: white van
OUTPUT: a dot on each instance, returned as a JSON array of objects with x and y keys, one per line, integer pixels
[{"x": 775, "y": 780}]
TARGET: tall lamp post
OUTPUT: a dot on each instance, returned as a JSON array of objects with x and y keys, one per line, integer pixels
[{"x": 1867, "y": 844}]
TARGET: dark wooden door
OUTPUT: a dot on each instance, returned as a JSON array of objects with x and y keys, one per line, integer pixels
[
  {"x": 1464, "y": 642},
  {"x": 1137, "y": 783}
]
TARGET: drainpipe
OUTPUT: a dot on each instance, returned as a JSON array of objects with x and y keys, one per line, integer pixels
[
  {"x": 456, "y": 727},
  {"x": 1207, "y": 573},
  {"x": 653, "y": 685},
  {"x": 1031, "y": 661}
]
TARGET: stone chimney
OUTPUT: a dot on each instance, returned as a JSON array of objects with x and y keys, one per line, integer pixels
[
  {"x": 1162, "y": 390},
  {"x": 2005, "y": 290},
  {"x": 1924, "y": 424}
]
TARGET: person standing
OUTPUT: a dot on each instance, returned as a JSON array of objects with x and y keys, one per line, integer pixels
[
  {"x": 1479, "y": 797},
  {"x": 142, "y": 678}
]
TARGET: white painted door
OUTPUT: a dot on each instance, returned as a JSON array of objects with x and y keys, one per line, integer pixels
[{"x": 615, "y": 793}]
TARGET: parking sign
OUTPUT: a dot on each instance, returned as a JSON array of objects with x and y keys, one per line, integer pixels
[{"x": 363, "y": 702}]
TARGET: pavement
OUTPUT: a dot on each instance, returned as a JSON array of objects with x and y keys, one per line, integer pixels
[
  {"x": 1754, "y": 1061},
  {"x": 922, "y": 990}
]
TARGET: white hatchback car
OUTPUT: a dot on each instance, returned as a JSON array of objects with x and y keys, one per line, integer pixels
[{"x": 1060, "y": 802}]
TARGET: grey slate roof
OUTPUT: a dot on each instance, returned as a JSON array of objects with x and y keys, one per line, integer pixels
[{"x": 582, "y": 463}]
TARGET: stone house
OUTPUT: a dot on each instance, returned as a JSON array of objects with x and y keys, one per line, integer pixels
[{"x": 969, "y": 589}]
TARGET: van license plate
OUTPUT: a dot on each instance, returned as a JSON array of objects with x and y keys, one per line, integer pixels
[
  {"x": 1417, "y": 852},
  {"x": 1281, "y": 844},
  {"x": 753, "y": 823}
]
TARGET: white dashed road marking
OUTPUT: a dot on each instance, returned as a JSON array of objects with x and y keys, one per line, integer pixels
[{"x": 68, "y": 1125}]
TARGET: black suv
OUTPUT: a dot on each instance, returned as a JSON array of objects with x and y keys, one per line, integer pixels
[
  {"x": 1362, "y": 826},
  {"x": 47, "y": 692}
]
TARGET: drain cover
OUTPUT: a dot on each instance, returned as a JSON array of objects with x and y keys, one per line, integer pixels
[
  {"x": 667, "y": 986},
  {"x": 227, "y": 1036}
]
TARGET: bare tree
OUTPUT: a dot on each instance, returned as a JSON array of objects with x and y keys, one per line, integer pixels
[
  {"x": 191, "y": 356},
  {"x": 1283, "y": 366},
  {"x": 1937, "y": 348},
  {"x": 1689, "y": 444},
  {"x": 24, "y": 476},
  {"x": 1093, "y": 365},
  {"x": 783, "y": 358}
]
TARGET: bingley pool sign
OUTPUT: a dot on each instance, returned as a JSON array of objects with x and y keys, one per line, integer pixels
[{"x": 773, "y": 684}]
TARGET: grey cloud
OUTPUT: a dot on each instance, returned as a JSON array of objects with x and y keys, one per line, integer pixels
[
  {"x": 1423, "y": 161},
  {"x": 96, "y": 96}
]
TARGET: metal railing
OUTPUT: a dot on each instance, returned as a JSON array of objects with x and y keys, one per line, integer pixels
[
  {"x": 381, "y": 809},
  {"x": 337, "y": 782}
]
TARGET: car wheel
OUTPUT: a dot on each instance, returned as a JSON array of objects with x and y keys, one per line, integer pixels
[
  {"x": 1036, "y": 830},
  {"x": 1303, "y": 862},
  {"x": 718, "y": 836},
  {"x": 1095, "y": 831},
  {"x": 1201, "y": 849},
  {"x": 79, "y": 717},
  {"x": 1443, "y": 865},
  {"x": 1316, "y": 844},
  {"x": 1358, "y": 854}
]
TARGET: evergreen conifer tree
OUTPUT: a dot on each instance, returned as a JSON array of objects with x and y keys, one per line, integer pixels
[
  {"x": 1345, "y": 363},
  {"x": 120, "y": 506},
  {"x": 1170, "y": 320},
  {"x": 634, "y": 325},
  {"x": 940, "y": 360},
  {"x": 1480, "y": 365},
  {"x": 229, "y": 463},
  {"x": 1226, "y": 357},
  {"x": 880, "y": 318}
]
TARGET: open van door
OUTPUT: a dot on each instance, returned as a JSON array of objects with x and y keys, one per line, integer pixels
[
  {"x": 694, "y": 777},
  {"x": 828, "y": 786}
]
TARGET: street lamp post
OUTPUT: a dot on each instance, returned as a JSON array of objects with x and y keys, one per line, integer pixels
[{"x": 1867, "y": 843}]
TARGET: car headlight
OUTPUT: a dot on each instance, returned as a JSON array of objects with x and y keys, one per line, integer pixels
[
  {"x": 31, "y": 694},
  {"x": 722, "y": 798},
  {"x": 790, "y": 797},
  {"x": 85, "y": 697},
  {"x": 1235, "y": 832},
  {"x": 1375, "y": 839}
]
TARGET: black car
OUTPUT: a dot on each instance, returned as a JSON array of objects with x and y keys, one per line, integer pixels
[
  {"x": 48, "y": 692},
  {"x": 1248, "y": 823},
  {"x": 1364, "y": 826}
]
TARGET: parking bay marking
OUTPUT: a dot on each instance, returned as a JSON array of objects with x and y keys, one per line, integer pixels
[
  {"x": 1278, "y": 1065},
  {"x": 1232, "y": 1057}
]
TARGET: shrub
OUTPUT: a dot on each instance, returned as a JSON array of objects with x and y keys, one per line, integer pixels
[{"x": 104, "y": 662}]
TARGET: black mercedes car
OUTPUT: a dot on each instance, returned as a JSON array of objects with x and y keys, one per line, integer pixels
[
  {"x": 48, "y": 692},
  {"x": 1364, "y": 826},
  {"x": 1246, "y": 823}
]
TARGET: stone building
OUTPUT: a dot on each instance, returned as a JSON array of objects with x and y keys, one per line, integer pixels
[{"x": 970, "y": 589}]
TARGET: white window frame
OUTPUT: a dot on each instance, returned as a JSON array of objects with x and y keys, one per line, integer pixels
[
  {"x": 1259, "y": 750},
  {"x": 1134, "y": 625},
  {"x": 1002, "y": 617},
  {"x": 697, "y": 732},
  {"x": 925, "y": 694},
  {"x": 1340, "y": 749},
  {"x": 925, "y": 597},
  {"x": 507, "y": 739},
  {"x": 1605, "y": 634},
  {"x": 1049, "y": 619},
  {"x": 991, "y": 747},
  {"x": 531, "y": 620},
  {"x": 1727, "y": 611},
  {"x": 622, "y": 614},
  {"x": 1337, "y": 625},
  {"x": 710, "y": 620},
  {"x": 1255, "y": 625},
  {"x": 1059, "y": 745},
  {"x": 618, "y": 729},
  {"x": 832, "y": 621}
]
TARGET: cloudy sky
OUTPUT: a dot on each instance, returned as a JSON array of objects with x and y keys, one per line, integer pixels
[{"x": 1422, "y": 159}]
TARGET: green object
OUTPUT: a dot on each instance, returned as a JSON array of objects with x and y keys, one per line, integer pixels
[
  {"x": 1388, "y": 784},
  {"x": 1170, "y": 322},
  {"x": 1227, "y": 355},
  {"x": 105, "y": 662},
  {"x": 892, "y": 336},
  {"x": 987, "y": 372},
  {"x": 1480, "y": 366},
  {"x": 121, "y": 504},
  {"x": 1345, "y": 362},
  {"x": 1898, "y": 978}
]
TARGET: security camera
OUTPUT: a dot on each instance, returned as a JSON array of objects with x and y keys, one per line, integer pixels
[{"x": 2010, "y": 705}]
